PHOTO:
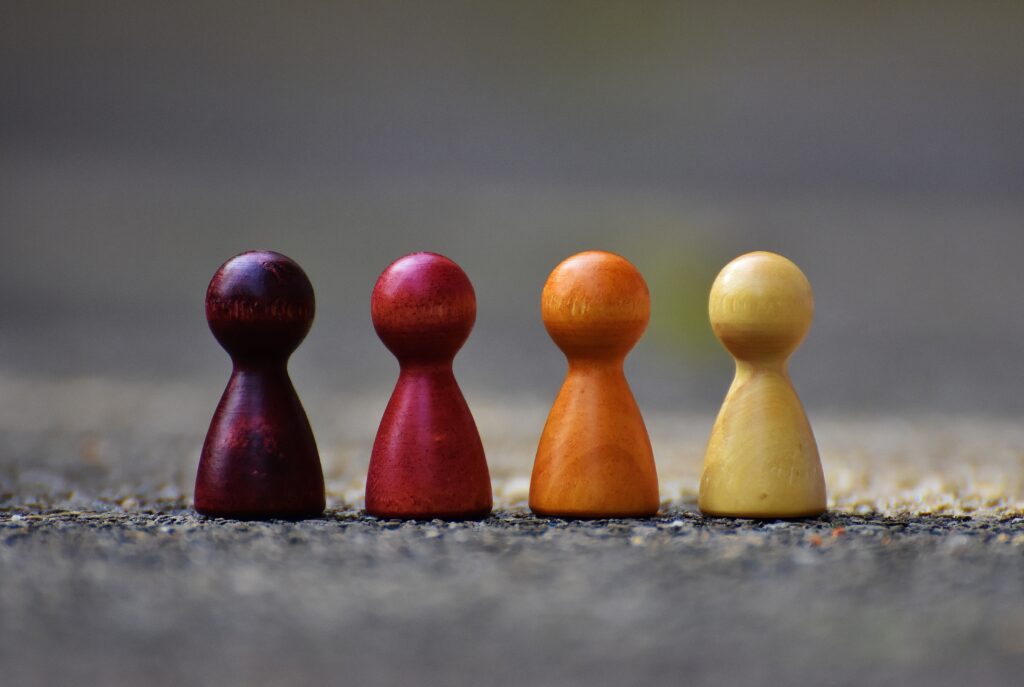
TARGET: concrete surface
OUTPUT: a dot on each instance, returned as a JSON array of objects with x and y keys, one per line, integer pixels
[
  {"x": 168, "y": 599},
  {"x": 107, "y": 577}
]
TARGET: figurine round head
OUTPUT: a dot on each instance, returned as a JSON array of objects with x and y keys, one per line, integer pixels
[
  {"x": 423, "y": 307},
  {"x": 260, "y": 305},
  {"x": 761, "y": 306},
  {"x": 595, "y": 302}
]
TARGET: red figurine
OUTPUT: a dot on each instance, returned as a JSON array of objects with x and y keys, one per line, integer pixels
[
  {"x": 427, "y": 460},
  {"x": 260, "y": 459}
]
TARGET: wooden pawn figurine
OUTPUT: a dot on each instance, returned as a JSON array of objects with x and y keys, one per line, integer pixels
[
  {"x": 260, "y": 458},
  {"x": 594, "y": 459},
  {"x": 762, "y": 460},
  {"x": 428, "y": 460}
]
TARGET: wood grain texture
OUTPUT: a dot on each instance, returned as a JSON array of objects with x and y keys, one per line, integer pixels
[
  {"x": 594, "y": 459},
  {"x": 427, "y": 460},
  {"x": 762, "y": 459},
  {"x": 260, "y": 459}
]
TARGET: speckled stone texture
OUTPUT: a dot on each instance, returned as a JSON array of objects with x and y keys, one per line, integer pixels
[
  {"x": 108, "y": 578},
  {"x": 170, "y": 599}
]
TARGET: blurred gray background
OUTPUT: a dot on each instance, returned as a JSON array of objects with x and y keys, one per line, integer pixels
[{"x": 879, "y": 145}]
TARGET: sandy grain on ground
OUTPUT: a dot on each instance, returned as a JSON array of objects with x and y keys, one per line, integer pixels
[{"x": 118, "y": 444}]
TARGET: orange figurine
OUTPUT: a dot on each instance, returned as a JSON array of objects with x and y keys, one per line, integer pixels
[{"x": 594, "y": 458}]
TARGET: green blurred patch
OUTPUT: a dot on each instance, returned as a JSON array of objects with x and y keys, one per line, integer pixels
[{"x": 679, "y": 279}]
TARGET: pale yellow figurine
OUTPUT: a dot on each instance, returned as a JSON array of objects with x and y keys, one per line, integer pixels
[{"x": 762, "y": 460}]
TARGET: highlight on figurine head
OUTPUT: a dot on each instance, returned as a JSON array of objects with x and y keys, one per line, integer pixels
[
  {"x": 260, "y": 304},
  {"x": 595, "y": 302},
  {"x": 423, "y": 307},
  {"x": 761, "y": 306}
]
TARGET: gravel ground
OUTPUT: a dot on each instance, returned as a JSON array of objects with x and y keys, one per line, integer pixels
[
  {"x": 93, "y": 598},
  {"x": 916, "y": 577}
]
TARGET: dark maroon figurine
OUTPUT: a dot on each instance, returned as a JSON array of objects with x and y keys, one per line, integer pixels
[
  {"x": 427, "y": 460},
  {"x": 260, "y": 458}
]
